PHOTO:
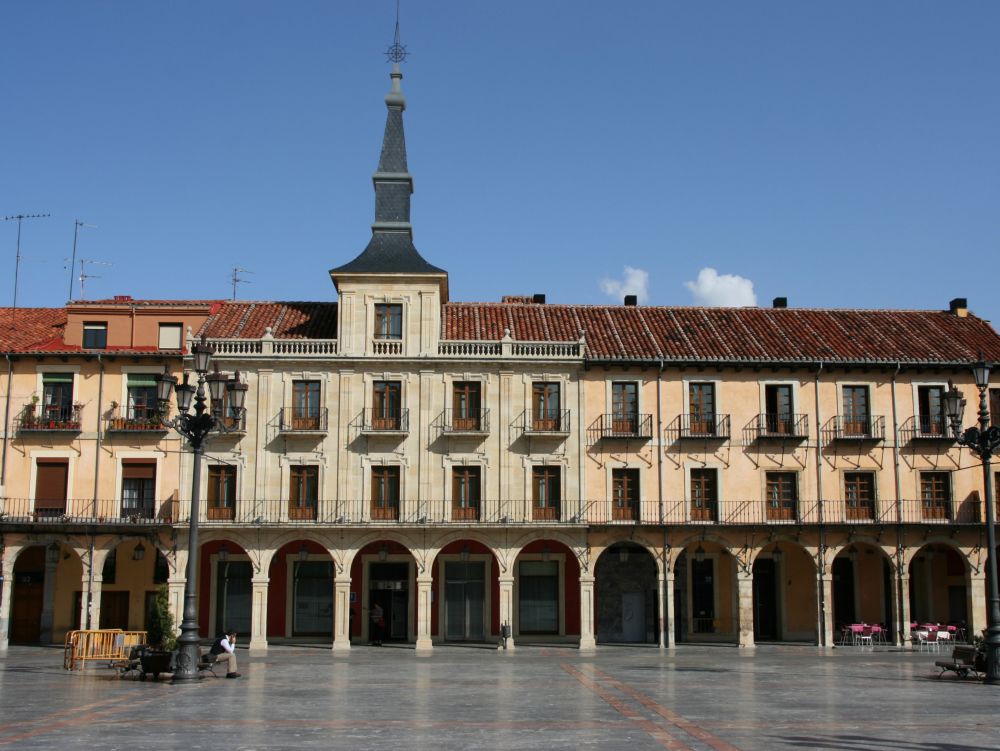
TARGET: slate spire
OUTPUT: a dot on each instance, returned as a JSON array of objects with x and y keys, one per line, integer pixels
[{"x": 391, "y": 248}]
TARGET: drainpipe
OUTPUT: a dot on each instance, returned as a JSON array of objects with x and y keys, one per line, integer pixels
[
  {"x": 97, "y": 478},
  {"x": 821, "y": 562},
  {"x": 659, "y": 437},
  {"x": 6, "y": 423},
  {"x": 900, "y": 594}
]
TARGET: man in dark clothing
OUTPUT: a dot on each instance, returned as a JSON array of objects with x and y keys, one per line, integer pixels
[{"x": 224, "y": 649}]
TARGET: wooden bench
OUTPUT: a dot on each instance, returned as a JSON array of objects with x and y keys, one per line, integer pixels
[{"x": 962, "y": 662}]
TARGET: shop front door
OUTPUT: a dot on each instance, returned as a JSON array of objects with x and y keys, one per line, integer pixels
[{"x": 465, "y": 601}]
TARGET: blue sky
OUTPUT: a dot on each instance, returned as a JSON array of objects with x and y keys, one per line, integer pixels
[{"x": 842, "y": 154}]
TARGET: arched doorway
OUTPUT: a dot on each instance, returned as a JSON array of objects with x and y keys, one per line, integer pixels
[
  {"x": 383, "y": 583},
  {"x": 625, "y": 596},
  {"x": 27, "y": 596},
  {"x": 227, "y": 589},
  {"x": 862, "y": 587},
  {"x": 546, "y": 591},
  {"x": 784, "y": 594},
  {"x": 705, "y": 607},
  {"x": 300, "y": 592},
  {"x": 939, "y": 591},
  {"x": 466, "y": 593}
]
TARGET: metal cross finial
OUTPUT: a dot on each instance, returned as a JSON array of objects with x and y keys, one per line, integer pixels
[{"x": 397, "y": 52}]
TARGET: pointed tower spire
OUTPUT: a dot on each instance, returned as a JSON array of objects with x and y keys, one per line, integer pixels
[{"x": 391, "y": 249}]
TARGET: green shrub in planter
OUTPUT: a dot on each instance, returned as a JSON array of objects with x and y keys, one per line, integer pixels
[{"x": 161, "y": 622}]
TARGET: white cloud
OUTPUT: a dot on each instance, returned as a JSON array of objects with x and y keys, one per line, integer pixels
[
  {"x": 635, "y": 282},
  {"x": 727, "y": 290}
]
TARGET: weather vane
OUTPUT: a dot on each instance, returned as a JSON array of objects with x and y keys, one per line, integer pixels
[{"x": 397, "y": 52}]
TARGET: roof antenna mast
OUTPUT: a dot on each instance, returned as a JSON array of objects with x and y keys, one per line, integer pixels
[
  {"x": 397, "y": 52},
  {"x": 84, "y": 276},
  {"x": 17, "y": 255},
  {"x": 77, "y": 224},
  {"x": 235, "y": 279}
]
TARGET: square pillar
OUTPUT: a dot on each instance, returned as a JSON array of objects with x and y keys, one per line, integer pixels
[
  {"x": 664, "y": 593},
  {"x": 90, "y": 612},
  {"x": 6, "y": 591},
  {"x": 342, "y": 613},
  {"x": 903, "y": 610},
  {"x": 424, "y": 615},
  {"x": 175, "y": 592},
  {"x": 744, "y": 590},
  {"x": 977, "y": 604},
  {"x": 48, "y": 599},
  {"x": 507, "y": 607},
  {"x": 587, "y": 640},
  {"x": 826, "y": 587},
  {"x": 258, "y": 613}
]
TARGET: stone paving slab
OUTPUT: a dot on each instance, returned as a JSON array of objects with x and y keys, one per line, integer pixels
[{"x": 697, "y": 698}]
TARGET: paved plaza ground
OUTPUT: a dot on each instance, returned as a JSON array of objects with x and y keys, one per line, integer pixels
[{"x": 301, "y": 697}]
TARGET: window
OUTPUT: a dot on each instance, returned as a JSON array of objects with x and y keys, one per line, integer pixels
[
  {"x": 385, "y": 493},
  {"x": 51, "y": 477},
  {"x": 388, "y": 321},
  {"x": 95, "y": 335},
  {"x": 466, "y": 406},
  {"x": 386, "y": 405},
  {"x": 303, "y": 496},
  {"x": 778, "y": 409},
  {"x": 701, "y": 405},
  {"x": 465, "y": 492},
  {"x": 935, "y": 495},
  {"x": 704, "y": 495},
  {"x": 625, "y": 494},
  {"x": 305, "y": 405},
  {"x": 857, "y": 420},
  {"x": 930, "y": 409},
  {"x": 221, "y": 491},
  {"x": 142, "y": 404},
  {"x": 859, "y": 493},
  {"x": 170, "y": 335},
  {"x": 545, "y": 406},
  {"x": 138, "y": 488},
  {"x": 625, "y": 408},
  {"x": 545, "y": 493},
  {"x": 782, "y": 495},
  {"x": 57, "y": 397}
]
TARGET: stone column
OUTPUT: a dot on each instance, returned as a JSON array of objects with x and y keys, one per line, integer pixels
[
  {"x": 48, "y": 599},
  {"x": 977, "y": 604},
  {"x": 826, "y": 585},
  {"x": 91, "y": 611},
  {"x": 587, "y": 640},
  {"x": 507, "y": 606},
  {"x": 258, "y": 613},
  {"x": 744, "y": 588},
  {"x": 342, "y": 612},
  {"x": 175, "y": 592},
  {"x": 666, "y": 596},
  {"x": 6, "y": 592},
  {"x": 903, "y": 606},
  {"x": 424, "y": 614}
]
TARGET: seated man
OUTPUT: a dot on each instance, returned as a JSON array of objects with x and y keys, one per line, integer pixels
[{"x": 224, "y": 650}]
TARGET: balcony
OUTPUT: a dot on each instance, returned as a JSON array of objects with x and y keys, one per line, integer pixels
[
  {"x": 135, "y": 420},
  {"x": 625, "y": 427},
  {"x": 72, "y": 511},
  {"x": 293, "y": 422},
  {"x": 554, "y": 422},
  {"x": 856, "y": 428},
  {"x": 387, "y": 347},
  {"x": 708, "y": 425},
  {"x": 381, "y": 422},
  {"x": 51, "y": 418},
  {"x": 781, "y": 427},
  {"x": 471, "y": 422},
  {"x": 929, "y": 428}
]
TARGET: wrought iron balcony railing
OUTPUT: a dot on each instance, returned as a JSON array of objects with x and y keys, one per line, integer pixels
[
  {"x": 49, "y": 418},
  {"x": 783, "y": 426},
  {"x": 612, "y": 426},
  {"x": 385, "y": 421},
  {"x": 926, "y": 428},
  {"x": 113, "y": 511},
  {"x": 458, "y": 422},
  {"x": 311, "y": 421},
  {"x": 704, "y": 425},
  {"x": 135, "y": 420},
  {"x": 857, "y": 428},
  {"x": 546, "y": 422}
]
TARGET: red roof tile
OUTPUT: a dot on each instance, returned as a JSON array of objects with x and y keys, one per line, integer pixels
[{"x": 30, "y": 328}]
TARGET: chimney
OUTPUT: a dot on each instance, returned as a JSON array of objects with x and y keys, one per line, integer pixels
[
  {"x": 959, "y": 307},
  {"x": 123, "y": 298},
  {"x": 631, "y": 300},
  {"x": 538, "y": 298},
  {"x": 779, "y": 302}
]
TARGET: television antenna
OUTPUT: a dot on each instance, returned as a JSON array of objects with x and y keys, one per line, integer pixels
[
  {"x": 17, "y": 255},
  {"x": 236, "y": 279},
  {"x": 84, "y": 275},
  {"x": 77, "y": 224}
]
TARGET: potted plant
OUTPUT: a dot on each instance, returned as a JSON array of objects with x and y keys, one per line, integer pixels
[{"x": 158, "y": 656}]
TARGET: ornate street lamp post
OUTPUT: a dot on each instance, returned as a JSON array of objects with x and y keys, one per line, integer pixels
[
  {"x": 196, "y": 428},
  {"x": 984, "y": 442}
]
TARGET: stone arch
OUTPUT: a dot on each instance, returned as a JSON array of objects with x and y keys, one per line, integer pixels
[{"x": 626, "y": 596}]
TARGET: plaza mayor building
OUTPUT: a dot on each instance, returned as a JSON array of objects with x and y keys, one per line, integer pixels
[{"x": 585, "y": 474}]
